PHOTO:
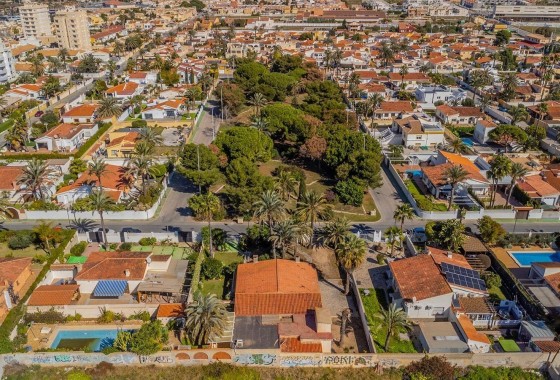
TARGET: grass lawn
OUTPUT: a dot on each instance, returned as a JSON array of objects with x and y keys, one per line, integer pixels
[
  {"x": 509, "y": 345},
  {"x": 213, "y": 287},
  {"x": 166, "y": 150},
  {"x": 30, "y": 251},
  {"x": 228, "y": 257},
  {"x": 6, "y": 124},
  {"x": 421, "y": 200},
  {"x": 373, "y": 303},
  {"x": 496, "y": 293}
]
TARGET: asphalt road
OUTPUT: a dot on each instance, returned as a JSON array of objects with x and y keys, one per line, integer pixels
[{"x": 208, "y": 126}]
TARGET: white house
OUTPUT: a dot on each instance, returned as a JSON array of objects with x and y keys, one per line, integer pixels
[
  {"x": 419, "y": 131},
  {"x": 428, "y": 95},
  {"x": 124, "y": 90},
  {"x": 409, "y": 81},
  {"x": 482, "y": 129},
  {"x": 25, "y": 91},
  {"x": 459, "y": 115},
  {"x": 84, "y": 113},
  {"x": 142, "y": 77},
  {"x": 66, "y": 137},
  {"x": 170, "y": 109}
]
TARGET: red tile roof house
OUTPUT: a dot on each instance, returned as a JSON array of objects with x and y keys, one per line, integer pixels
[
  {"x": 278, "y": 305},
  {"x": 9, "y": 177},
  {"x": 422, "y": 288},
  {"x": 25, "y": 91},
  {"x": 124, "y": 90},
  {"x": 113, "y": 181},
  {"x": 84, "y": 113},
  {"x": 436, "y": 182},
  {"x": 388, "y": 111},
  {"x": 539, "y": 190},
  {"x": 14, "y": 274},
  {"x": 411, "y": 80},
  {"x": 170, "y": 109},
  {"x": 459, "y": 115},
  {"x": 142, "y": 77},
  {"x": 66, "y": 137}
]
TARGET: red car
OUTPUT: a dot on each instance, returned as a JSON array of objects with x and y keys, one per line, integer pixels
[{"x": 39, "y": 113}]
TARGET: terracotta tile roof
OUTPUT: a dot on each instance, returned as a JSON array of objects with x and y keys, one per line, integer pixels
[
  {"x": 84, "y": 110},
  {"x": 534, "y": 184},
  {"x": 472, "y": 305},
  {"x": 461, "y": 111},
  {"x": 108, "y": 32},
  {"x": 547, "y": 345},
  {"x": 129, "y": 138},
  {"x": 138, "y": 75},
  {"x": 66, "y": 131},
  {"x": 468, "y": 165},
  {"x": 295, "y": 345},
  {"x": 470, "y": 331},
  {"x": 173, "y": 103},
  {"x": 53, "y": 295},
  {"x": 552, "y": 178},
  {"x": 396, "y": 106},
  {"x": 276, "y": 287},
  {"x": 418, "y": 77},
  {"x": 487, "y": 124},
  {"x": 168, "y": 310},
  {"x": 9, "y": 176},
  {"x": 473, "y": 244},
  {"x": 112, "y": 179},
  {"x": 11, "y": 268},
  {"x": 553, "y": 280},
  {"x": 435, "y": 173},
  {"x": 419, "y": 278},
  {"x": 440, "y": 256},
  {"x": 127, "y": 88},
  {"x": 114, "y": 266}
]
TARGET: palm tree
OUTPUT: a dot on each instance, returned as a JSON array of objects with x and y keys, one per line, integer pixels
[
  {"x": 205, "y": 318},
  {"x": 140, "y": 166},
  {"x": 282, "y": 236},
  {"x": 516, "y": 172},
  {"x": 336, "y": 231},
  {"x": 286, "y": 184},
  {"x": 386, "y": 55},
  {"x": 403, "y": 71},
  {"x": 393, "y": 235},
  {"x": 37, "y": 177},
  {"x": 350, "y": 254},
  {"x": 402, "y": 213},
  {"x": 310, "y": 206},
  {"x": 499, "y": 168},
  {"x": 479, "y": 79},
  {"x": 63, "y": 54},
  {"x": 46, "y": 233},
  {"x": 394, "y": 320},
  {"x": 518, "y": 114},
  {"x": 372, "y": 104},
  {"x": 259, "y": 124},
  {"x": 206, "y": 206},
  {"x": 542, "y": 108},
  {"x": 136, "y": 101},
  {"x": 101, "y": 202},
  {"x": 257, "y": 101},
  {"x": 97, "y": 167},
  {"x": 150, "y": 136},
  {"x": 82, "y": 225},
  {"x": 269, "y": 207},
  {"x": 108, "y": 107},
  {"x": 453, "y": 175},
  {"x": 458, "y": 146},
  {"x": 302, "y": 233}
]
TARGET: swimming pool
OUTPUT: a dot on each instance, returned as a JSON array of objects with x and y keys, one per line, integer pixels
[
  {"x": 414, "y": 173},
  {"x": 525, "y": 259},
  {"x": 467, "y": 141},
  {"x": 79, "y": 340}
]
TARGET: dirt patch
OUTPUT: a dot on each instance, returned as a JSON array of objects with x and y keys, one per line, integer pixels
[{"x": 324, "y": 261}]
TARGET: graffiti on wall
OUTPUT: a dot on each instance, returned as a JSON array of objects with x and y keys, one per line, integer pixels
[
  {"x": 255, "y": 359},
  {"x": 70, "y": 358},
  {"x": 348, "y": 360},
  {"x": 300, "y": 361}
]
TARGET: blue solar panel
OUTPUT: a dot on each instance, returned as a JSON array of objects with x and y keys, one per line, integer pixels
[
  {"x": 460, "y": 276},
  {"x": 110, "y": 288}
]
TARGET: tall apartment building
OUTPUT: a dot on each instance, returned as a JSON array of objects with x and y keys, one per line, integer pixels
[
  {"x": 7, "y": 64},
  {"x": 72, "y": 30},
  {"x": 35, "y": 20}
]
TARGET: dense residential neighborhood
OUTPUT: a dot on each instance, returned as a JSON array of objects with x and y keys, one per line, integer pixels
[{"x": 246, "y": 189}]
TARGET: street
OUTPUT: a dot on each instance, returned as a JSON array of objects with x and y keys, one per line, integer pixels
[{"x": 209, "y": 125}]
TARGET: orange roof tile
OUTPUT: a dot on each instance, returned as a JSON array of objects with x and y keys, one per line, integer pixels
[
  {"x": 11, "y": 268},
  {"x": 167, "y": 310},
  {"x": 468, "y": 165},
  {"x": 419, "y": 278},
  {"x": 112, "y": 179},
  {"x": 276, "y": 287},
  {"x": 9, "y": 176},
  {"x": 127, "y": 88},
  {"x": 84, "y": 110},
  {"x": 295, "y": 345},
  {"x": 53, "y": 295},
  {"x": 470, "y": 331},
  {"x": 66, "y": 131},
  {"x": 114, "y": 266}
]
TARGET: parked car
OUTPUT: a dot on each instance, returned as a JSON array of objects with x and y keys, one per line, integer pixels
[{"x": 39, "y": 113}]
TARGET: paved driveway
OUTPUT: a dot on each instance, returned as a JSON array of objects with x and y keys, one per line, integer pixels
[{"x": 386, "y": 197}]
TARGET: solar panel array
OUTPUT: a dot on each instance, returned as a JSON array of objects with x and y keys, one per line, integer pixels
[{"x": 460, "y": 276}]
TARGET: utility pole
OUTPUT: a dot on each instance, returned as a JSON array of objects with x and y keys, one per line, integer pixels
[{"x": 222, "y": 101}]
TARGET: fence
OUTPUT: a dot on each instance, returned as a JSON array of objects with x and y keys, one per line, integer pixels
[
  {"x": 130, "y": 237},
  {"x": 108, "y": 215},
  {"x": 272, "y": 358},
  {"x": 93, "y": 311},
  {"x": 362, "y": 312}
]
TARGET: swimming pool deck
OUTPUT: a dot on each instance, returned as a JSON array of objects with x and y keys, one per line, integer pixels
[{"x": 503, "y": 255}]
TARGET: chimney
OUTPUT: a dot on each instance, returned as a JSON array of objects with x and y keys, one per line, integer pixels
[
  {"x": 127, "y": 273},
  {"x": 297, "y": 259},
  {"x": 255, "y": 258},
  {"x": 449, "y": 254}
]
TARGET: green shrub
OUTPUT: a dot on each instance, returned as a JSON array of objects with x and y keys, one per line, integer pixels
[
  {"x": 20, "y": 241},
  {"x": 381, "y": 259},
  {"x": 113, "y": 246},
  {"x": 211, "y": 268},
  {"x": 50, "y": 316},
  {"x": 146, "y": 241},
  {"x": 106, "y": 316},
  {"x": 40, "y": 259},
  {"x": 78, "y": 249},
  {"x": 42, "y": 205},
  {"x": 125, "y": 247},
  {"x": 139, "y": 123},
  {"x": 350, "y": 192},
  {"x": 141, "y": 316}
]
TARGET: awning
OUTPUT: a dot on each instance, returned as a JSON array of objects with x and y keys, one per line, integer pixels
[{"x": 110, "y": 288}]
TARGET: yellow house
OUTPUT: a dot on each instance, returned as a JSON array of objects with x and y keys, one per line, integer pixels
[{"x": 121, "y": 144}]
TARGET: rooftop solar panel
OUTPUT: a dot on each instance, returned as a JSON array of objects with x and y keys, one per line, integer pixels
[{"x": 465, "y": 277}]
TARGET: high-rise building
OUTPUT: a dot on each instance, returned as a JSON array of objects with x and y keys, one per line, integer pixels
[
  {"x": 35, "y": 20},
  {"x": 72, "y": 30},
  {"x": 7, "y": 64}
]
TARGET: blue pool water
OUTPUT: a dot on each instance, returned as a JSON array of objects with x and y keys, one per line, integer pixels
[
  {"x": 94, "y": 340},
  {"x": 526, "y": 258},
  {"x": 468, "y": 141},
  {"x": 414, "y": 173}
]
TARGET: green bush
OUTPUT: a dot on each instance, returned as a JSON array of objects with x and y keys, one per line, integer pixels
[
  {"x": 76, "y": 317},
  {"x": 40, "y": 259},
  {"x": 381, "y": 259},
  {"x": 211, "y": 268},
  {"x": 139, "y": 123},
  {"x": 140, "y": 316},
  {"x": 125, "y": 247},
  {"x": 20, "y": 241},
  {"x": 78, "y": 249},
  {"x": 147, "y": 241},
  {"x": 42, "y": 205},
  {"x": 350, "y": 192},
  {"x": 50, "y": 316}
]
